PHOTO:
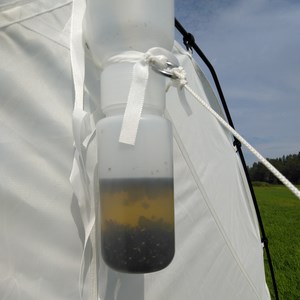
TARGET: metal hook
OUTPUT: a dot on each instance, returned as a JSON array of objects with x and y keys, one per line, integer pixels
[{"x": 167, "y": 71}]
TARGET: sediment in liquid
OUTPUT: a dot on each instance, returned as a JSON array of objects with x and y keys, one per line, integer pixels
[{"x": 137, "y": 223}]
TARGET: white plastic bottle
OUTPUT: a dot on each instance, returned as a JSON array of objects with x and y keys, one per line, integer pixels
[{"x": 136, "y": 181}]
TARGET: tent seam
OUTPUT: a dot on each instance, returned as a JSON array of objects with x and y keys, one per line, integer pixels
[
  {"x": 213, "y": 213},
  {"x": 33, "y": 15},
  {"x": 16, "y": 3},
  {"x": 46, "y": 37}
]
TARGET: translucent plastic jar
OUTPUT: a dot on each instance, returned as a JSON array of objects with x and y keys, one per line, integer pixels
[
  {"x": 136, "y": 181},
  {"x": 113, "y": 26},
  {"x": 136, "y": 193}
]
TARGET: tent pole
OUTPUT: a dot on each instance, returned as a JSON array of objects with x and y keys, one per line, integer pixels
[{"x": 189, "y": 42}]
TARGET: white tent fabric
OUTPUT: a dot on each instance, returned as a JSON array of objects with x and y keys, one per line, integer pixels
[{"x": 45, "y": 221}]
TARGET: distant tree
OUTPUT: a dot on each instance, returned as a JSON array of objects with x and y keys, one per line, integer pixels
[{"x": 288, "y": 165}]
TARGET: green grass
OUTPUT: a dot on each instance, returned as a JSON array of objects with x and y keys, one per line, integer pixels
[{"x": 280, "y": 211}]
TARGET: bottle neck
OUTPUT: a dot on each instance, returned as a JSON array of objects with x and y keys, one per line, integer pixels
[{"x": 115, "y": 85}]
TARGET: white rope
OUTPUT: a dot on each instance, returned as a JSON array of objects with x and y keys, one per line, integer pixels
[{"x": 178, "y": 75}]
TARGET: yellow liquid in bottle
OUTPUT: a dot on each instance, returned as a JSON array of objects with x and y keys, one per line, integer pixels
[{"x": 137, "y": 223}]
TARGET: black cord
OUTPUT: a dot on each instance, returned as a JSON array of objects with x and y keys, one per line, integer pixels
[{"x": 190, "y": 43}]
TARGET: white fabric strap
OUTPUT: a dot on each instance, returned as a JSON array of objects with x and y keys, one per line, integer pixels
[
  {"x": 77, "y": 51},
  {"x": 83, "y": 133},
  {"x": 158, "y": 59},
  {"x": 135, "y": 103}
]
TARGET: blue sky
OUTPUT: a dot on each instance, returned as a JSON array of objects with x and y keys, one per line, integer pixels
[{"x": 255, "y": 49}]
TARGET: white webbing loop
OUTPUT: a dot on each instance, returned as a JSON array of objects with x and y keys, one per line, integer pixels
[
  {"x": 80, "y": 180},
  {"x": 156, "y": 58},
  {"x": 178, "y": 75},
  {"x": 135, "y": 101}
]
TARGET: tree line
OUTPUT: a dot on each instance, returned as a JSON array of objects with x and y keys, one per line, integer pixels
[{"x": 288, "y": 165}]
